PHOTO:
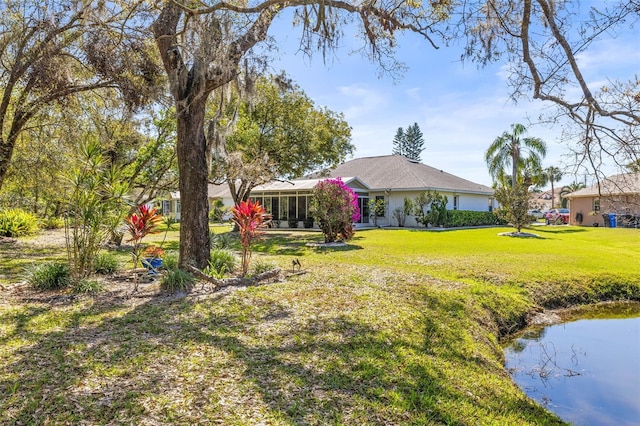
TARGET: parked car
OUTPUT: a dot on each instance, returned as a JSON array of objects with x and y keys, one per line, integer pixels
[
  {"x": 557, "y": 216},
  {"x": 536, "y": 213}
]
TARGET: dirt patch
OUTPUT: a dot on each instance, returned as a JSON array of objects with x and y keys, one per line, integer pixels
[
  {"x": 519, "y": 235},
  {"x": 321, "y": 245},
  {"x": 45, "y": 238}
]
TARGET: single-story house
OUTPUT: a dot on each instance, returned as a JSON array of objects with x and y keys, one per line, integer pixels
[
  {"x": 394, "y": 177},
  {"x": 390, "y": 178},
  {"x": 170, "y": 205},
  {"x": 617, "y": 194}
]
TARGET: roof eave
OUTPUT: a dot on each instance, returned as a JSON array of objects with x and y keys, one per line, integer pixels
[{"x": 460, "y": 191}]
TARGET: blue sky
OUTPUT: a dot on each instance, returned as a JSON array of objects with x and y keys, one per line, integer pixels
[{"x": 460, "y": 109}]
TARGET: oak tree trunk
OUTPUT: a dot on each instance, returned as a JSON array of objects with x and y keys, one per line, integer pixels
[{"x": 194, "y": 217}]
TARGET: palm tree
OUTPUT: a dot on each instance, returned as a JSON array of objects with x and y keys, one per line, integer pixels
[
  {"x": 507, "y": 151},
  {"x": 568, "y": 189},
  {"x": 552, "y": 175}
]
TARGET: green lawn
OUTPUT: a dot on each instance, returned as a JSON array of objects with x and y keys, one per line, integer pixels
[{"x": 399, "y": 327}]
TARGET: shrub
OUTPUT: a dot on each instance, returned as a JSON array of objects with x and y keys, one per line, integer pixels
[
  {"x": 144, "y": 221},
  {"x": 262, "y": 266},
  {"x": 335, "y": 207},
  {"x": 221, "y": 241},
  {"x": 222, "y": 261},
  {"x": 217, "y": 212},
  {"x": 514, "y": 205},
  {"x": 292, "y": 222},
  {"x": 95, "y": 206},
  {"x": 170, "y": 261},
  {"x": 458, "y": 218},
  {"x": 106, "y": 263},
  {"x": 377, "y": 209},
  {"x": 251, "y": 219},
  {"x": 437, "y": 208},
  {"x": 177, "y": 280},
  {"x": 86, "y": 286},
  {"x": 210, "y": 271},
  {"x": 17, "y": 223},
  {"x": 52, "y": 223},
  {"x": 308, "y": 222},
  {"x": 48, "y": 276}
]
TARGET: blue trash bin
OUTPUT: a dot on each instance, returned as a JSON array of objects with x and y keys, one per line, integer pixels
[{"x": 612, "y": 220}]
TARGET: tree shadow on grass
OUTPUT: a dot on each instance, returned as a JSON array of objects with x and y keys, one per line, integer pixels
[
  {"x": 14, "y": 261},
  {"x": 558, "y": 230},
  {"x": 238, "y": 362}
]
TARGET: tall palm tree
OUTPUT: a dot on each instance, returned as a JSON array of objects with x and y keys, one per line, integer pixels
[
  {"x": 552, "y": 175},
  {"x": 507, "y": 151}
]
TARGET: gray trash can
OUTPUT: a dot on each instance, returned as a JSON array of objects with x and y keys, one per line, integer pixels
[{"x": 612, "y": 220}]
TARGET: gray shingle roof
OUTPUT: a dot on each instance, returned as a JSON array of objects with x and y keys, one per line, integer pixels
[
  {"x": 396, "y": 173},
  {"x": 298, "y": 184},
  {"x": 625, "y": 183}
]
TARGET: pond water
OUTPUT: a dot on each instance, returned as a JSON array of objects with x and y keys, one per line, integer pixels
[{"x": 586, "y": 369}]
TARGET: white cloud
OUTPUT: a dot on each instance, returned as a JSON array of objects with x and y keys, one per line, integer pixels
[
  {"x": 358, "y": 100},
  {"x": 610, "y": 58},
  {"x": 414, "y": 93}
]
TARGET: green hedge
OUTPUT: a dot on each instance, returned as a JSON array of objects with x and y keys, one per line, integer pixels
[{"x": 458, "y": 218}]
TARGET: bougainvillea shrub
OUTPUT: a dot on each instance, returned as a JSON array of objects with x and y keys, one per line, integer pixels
[{"x": 335, "y": 207}]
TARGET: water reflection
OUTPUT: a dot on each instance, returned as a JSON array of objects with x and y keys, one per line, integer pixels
[{"x": 587, "y": 371}]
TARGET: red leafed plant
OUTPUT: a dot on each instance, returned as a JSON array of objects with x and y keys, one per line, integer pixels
[
  {"x": 251, "y": 219},
  {"x": 144, "y": 221}
]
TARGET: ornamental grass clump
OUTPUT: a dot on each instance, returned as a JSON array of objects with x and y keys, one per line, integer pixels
[
  {"x": 252, "y": 219},
  {"x": 335, "y": 207},
  {"x": 48, "y": 276}
]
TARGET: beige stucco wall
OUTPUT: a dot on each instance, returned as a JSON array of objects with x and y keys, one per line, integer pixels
[
  {"x": 621, "y": 204},
  {"x": 584, "y": 206}
]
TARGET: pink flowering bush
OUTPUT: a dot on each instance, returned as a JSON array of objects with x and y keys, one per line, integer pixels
[
  {"x": 335, "y": 207},
  {"x": 252, "y": 219}
]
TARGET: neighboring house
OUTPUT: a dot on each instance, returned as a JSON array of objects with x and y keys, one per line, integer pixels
[
  {"x": 618, "y": 194},
  {"x": 171, "y": 204},
  {"x": 390, "y": 177},
  {"x": 542, "y": 200}
]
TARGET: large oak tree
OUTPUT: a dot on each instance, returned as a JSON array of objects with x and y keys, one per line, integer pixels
[
  {"x": 52, "y": 50},
  {"x": 202, "y": 49},
  {"x": 278, "y": 133}
]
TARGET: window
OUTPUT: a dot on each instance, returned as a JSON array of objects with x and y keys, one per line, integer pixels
[
  {"x": 292, "y": 208},
  {"x": 275, "y": 208},
  {"x": 166, "y": 207},
  {"x": 490, "y": 204},
  {"x": 178, "y": 206},
  {"x": 302, "y": 207},
  {"x": 284, "y": 208},
  {"x": 456, "y": 200},
  {"x": 596, "y": 205}
]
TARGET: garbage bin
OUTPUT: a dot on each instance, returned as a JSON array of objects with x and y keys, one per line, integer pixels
[
  {"x": 612, "y": 219},
  {"x": 607, "y": 223}
]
